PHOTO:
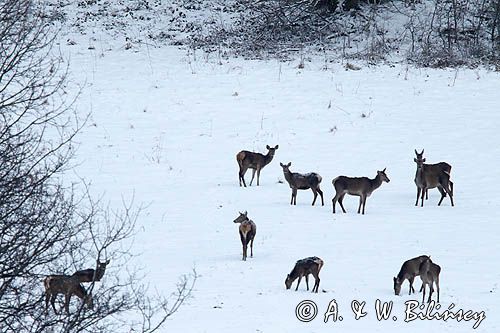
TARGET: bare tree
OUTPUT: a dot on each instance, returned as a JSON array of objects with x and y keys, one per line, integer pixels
[{"x": 47, "y": 226}]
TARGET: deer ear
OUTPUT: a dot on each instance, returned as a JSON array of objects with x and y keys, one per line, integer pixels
[
  {"x": 384, "y": 170},
  {"x": 423, "y": 160},
  {"x": 267, "y": 146},
  {"x": 414, "y": 160},
  {"x": 276, "y": 147},
  {"x": 281, "y": 164},
  {"x": 289, "y": 163},
  {"x": 422, "y": 152},
  {"x": 107, "y": 262},
  {"x": 245, "y": 213},
  {"x": 416, "y": 153}
]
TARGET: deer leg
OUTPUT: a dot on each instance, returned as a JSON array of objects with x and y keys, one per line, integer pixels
[
  {"x": 427, "y": 194},
  {"x": 341, "y": 199},
  {"x": 443, "y": 194},
  {"x": 450, "y": 193},
  {"x": 431, "y": 290},
  {"x": 418, "y": 195},
  {"x": 361, "y": 201},
  {"x": 258, "y": 176},
  {"x": 253, "y": 175},
  {"x": 364, "y": 204},
  {"x": 53, "y": 303},
  {"x": 411, "y": 285},
  {"x": 251, "y": 248},
  {"x": 422, "y": 196},
  {"x": 307, "y": 282},
  {"x": 67, "y": 298},
  {"x": 334, "y": 201},
  {"x": 243, "y": 170},
  {"x": 315, "y": 193},
  {"x": 298, "y": 282},
  {"x": 294, "y": 196},
  {"x": 437, "y": 286},
  {"x": 316, "y": 282},
  {"x": 47, "y": 299},
  {"x": 423, "y": 295},
  {"x": 321, "y": 195},
  {"x": 451, "y": 187}
]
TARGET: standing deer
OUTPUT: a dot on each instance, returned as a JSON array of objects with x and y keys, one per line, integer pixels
[
  {"x": 429, "y": 274},
  {"x": 299, "y": 181},
  {"x": 254, "y": 161},
  {"x": 66, "y": 285},
  {"x": 304, "y": 267},
  {"x": 441, "y": 165},
  {"x": 409, "y": 270},
  {"x": 430, "y": 176},
  {"x": 247, "y": 230},
  {"x": 362, "y": 187},
  {"x": 90, "y": 274}
]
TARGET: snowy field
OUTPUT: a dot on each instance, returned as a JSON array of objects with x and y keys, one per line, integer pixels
[{"x": 166, "y": 127}]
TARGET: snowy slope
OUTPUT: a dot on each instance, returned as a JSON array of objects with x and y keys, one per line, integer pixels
[{"x": 166, "y": 127}]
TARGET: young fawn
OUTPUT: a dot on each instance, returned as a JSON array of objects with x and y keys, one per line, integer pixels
[
  {"x": 304, "y": 267},
  {"x": 247, "y": 231}
]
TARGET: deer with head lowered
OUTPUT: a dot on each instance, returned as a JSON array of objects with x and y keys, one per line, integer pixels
[
  {"x": 409, "y": 270},
  {"x": 299, "y": 181},
  {"x": 362, "y": 187},
  {"x": 429, "y": 274},
  {"x": 90, "y": 274},
  {"x": 255, "y": 161},
  {"x": 429, "y": 176},
  {"x": 247, "y": 231},
  {"x": 303, "y": 268},
  {"x": 66, "y": 285}
]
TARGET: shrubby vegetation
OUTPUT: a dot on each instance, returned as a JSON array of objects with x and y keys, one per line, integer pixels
[{"x": 46, "y": 225}]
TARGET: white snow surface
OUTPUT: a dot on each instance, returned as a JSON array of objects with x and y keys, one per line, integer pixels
[{"x": 166, "y": 126}]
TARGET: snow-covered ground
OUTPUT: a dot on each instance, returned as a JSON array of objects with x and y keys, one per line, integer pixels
[{"x": 166, "y": 126}]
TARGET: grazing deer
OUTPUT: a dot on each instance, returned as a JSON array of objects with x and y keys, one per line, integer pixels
[
  {"x": 254, "y": 161},
  {"x": 247, "y": 230},
  {"x": 66, "y": 285},
  {"x": 429, "y": 274},
  {"x": 90, "y": 274},
  {"x": 441, "y": 165},
  {"x": 430, "y": 176},
  {"x": 299, "y": 181},
  {"x": 362, "y": 187},
  {"x": 304, "y": 267},
  {"x": 409, "y": 270}
]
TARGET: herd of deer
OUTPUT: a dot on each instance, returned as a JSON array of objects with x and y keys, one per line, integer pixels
[
  {"x": 427, "y": 176},
  {"x": 70, "y": 285}
]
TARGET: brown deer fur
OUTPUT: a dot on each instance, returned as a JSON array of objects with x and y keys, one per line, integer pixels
[
  {"x": 441, "y": 165},
  {"x": 90, "y": 274},
  {"x": 66, "y": 285},
  {"x": 409, "y": 270},
  {"x": 362, "y": 187},
  {"x": 299, "y": 181},
  {"x": 255, "y": 161},
  {"x": 247, "y": 231},
  {"x": 304, "y": 267},
  {"x": 429, "y": 274},
  {"x": 429, "y": 176}
]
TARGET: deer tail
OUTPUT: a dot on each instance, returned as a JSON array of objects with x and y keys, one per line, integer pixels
[{"x": 240, "y": 157}]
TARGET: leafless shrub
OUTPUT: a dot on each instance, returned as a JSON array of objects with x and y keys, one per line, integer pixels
[{"x": 48, "y": 226}]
